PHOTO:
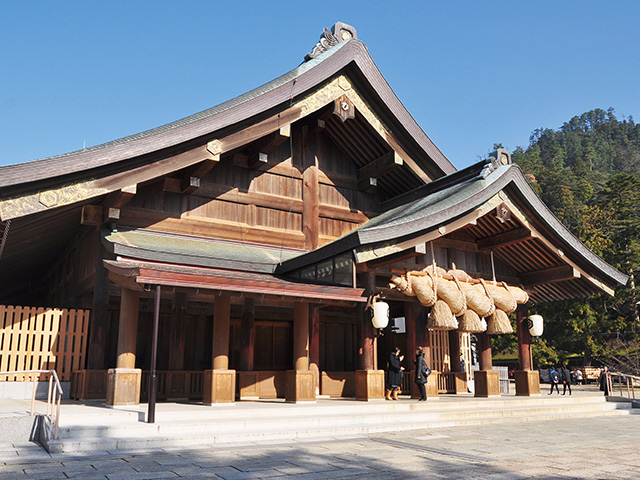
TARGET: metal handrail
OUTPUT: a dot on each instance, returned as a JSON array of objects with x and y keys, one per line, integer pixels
[
  {"x": 629, "y": 380},
  {"x": 52, "y": 403}
]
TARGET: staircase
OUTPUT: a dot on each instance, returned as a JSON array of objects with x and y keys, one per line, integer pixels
[{"x": 95, "y": 427}]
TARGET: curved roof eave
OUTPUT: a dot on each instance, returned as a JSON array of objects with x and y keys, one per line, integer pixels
[
  {"x": 307, "y": 76},
  {"x": 472, "y": 194}
]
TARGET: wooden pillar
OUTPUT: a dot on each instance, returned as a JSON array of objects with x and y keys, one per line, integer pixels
[
  {"x": 247, "y": 334},
  {"x": 177, "y": 331},
  {"x": 123, "y": 382},
  {"x": 301, "y": 336},
  {"x": 484, "y": 347},
  {"x": 100, "y": 319},
  {"x": 221, "y": 328},
  {"x": 486, "y": 380},
  {"x": 524, "y": 342},
  {"x": 527, "y": 381},
  {"x": 128, "y": 328},
  {"x": 301, "y": 385},
  {"x": 367, "y": 333},
  {"x": 369, "y": 381},
  {"x": 314, "y": 346},
  {"x": 454, "y": 350},
  {"x": 220, "y": 382}
]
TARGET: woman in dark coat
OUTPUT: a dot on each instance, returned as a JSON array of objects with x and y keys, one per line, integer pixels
[
  {"x": 394, "y": 374},
  {"x": 422, "y": 374}
]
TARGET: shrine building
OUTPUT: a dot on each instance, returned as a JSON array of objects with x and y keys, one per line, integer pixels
[{"x": 240, "y": 253}]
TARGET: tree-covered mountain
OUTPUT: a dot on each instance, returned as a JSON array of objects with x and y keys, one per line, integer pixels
[{"x": 588, "y": 173}]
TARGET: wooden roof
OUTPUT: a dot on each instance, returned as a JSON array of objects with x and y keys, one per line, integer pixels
[
  {"x": 41, "y": 201},
  {"x": 550, "y": 261},
  {"x": 105, "y": 161}
]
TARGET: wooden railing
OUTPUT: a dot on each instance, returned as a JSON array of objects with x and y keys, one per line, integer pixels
[
  {"x": 54, "y": 398},
  {"x": 626, "y": 383}
]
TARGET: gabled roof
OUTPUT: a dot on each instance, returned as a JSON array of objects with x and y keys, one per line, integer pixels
[
  {"x": 350, "y": 56},
  {"x": 467, "y": 201}
]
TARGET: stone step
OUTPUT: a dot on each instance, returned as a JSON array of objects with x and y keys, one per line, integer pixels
[{"x": 189, "y": 428}]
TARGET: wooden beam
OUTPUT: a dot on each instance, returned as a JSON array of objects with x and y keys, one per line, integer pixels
[
  {"x": 503, "y": 239},
  {"x": 120, "y": 198},
  {"x": 549, "y": 275},
  {"x": 367, "y": 184},
  {"x": 191, "y": 178},
  {"x": 381, "y": 165},
  {"x": 91, "y": 215},
  {"x": 254, "y": 132},
  {"x": 460, "y": 245},
  {"x": 420, "y": 249}
]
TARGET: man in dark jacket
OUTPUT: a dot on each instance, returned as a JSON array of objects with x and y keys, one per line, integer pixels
[
  {"x": 567, "y": 379},
  {"x": 422, "y": 374}
]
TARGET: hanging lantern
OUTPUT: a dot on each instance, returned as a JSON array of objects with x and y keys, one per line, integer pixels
[
  {"x": 535, "y": 324},
  {"x": 380, "y": 318}
]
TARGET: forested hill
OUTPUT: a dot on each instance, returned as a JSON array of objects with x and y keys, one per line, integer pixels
[{"x": 588, "y": 173}]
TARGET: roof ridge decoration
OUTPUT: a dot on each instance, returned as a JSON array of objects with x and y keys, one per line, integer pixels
[{"x": 340, "y": 32}]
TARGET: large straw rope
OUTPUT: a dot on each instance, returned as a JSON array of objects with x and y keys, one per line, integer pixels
[{"x": 425, "y": 288}]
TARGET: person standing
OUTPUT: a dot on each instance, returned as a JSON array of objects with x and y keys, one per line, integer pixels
[
  {"x": 394, "y": 374},
  {"x": 604, "y": 381},
  {"x": 554, "y": 378},
  {"x": 567, "y": 380},
  {"x": 422, "y": 374}
]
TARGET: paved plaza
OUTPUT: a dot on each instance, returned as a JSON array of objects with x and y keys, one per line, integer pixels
[{"x": 605, "y": 447}]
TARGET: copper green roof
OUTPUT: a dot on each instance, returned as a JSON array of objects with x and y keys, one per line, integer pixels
[{"x": 196, "y": 251}]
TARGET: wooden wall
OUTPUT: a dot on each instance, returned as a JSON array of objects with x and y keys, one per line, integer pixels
[{"x": 262, "y": 205}]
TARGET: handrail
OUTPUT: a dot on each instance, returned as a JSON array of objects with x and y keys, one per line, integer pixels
[
  {"x": 51, "y": 402},
  {"x": 629, "y": 380}
]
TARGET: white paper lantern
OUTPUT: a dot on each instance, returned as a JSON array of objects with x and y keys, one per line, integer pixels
[
  {"x": 380, "y": 317},
  {"x": 536, "y": 325}
]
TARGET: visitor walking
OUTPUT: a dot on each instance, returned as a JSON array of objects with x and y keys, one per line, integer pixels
[
  {"x": 554, "y": 378},
  {"x": 567, "y": 380},
  {"x": 394, "y": 374},
  {"x": 422, "y": 374}
]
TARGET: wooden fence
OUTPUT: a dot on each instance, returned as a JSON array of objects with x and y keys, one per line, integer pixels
[{"x": 33, "y": 338}]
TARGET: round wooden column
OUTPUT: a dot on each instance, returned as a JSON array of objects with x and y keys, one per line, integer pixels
[
  {"x": 524, "y": 342},
  {"x": 128, "y": 328},
  {"x": 221, "y": 326},
  {"x": 301, "y": 336},
  {"x": 484, "y": 347}
]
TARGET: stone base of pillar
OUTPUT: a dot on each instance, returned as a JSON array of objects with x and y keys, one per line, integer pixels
[
  {"x": 123, "y": 386},
  {"x": 527, "y": 383},
  {"x": 487, "y": 383},
  {"x": 460, "y": 382},
  {"x": 301, "y": 386},
  {"x": 370, "y": 385},
  {"x": 219, "y": 387}
]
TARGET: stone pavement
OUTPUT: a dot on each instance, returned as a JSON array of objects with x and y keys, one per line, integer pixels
[{"x": 566, "y": 448}]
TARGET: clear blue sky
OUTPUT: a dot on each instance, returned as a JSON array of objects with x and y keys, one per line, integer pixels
[{"x": 472, "y": 73}]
